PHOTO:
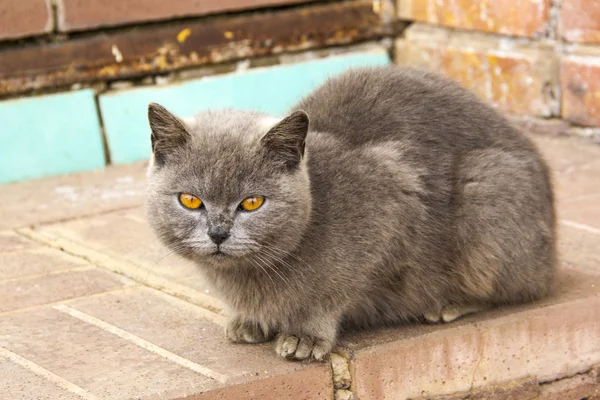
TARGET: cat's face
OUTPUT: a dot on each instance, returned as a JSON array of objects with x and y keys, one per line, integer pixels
[{"x": 228, "y": 187}]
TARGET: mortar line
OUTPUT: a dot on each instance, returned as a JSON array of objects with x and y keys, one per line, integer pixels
[
  {"x": 46, "y": 374},
  {"x": 144, "y": 344},
  {"x": 133, "y": 272},
  {"x": 70, "y": 299},
  {"x": 48, "y": 273}
]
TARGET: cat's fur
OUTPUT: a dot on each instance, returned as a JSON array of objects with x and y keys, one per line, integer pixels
[{"x": 405, "y": 197}]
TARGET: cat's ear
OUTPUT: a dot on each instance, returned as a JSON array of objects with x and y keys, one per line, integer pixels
[
  {"x": 168, "y": 132},
  {"x": 286, "y": 140}
]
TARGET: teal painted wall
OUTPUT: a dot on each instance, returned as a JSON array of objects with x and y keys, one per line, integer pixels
[
  {"x": 272, "y": 90},
  {"x": 49, "y": 135}
]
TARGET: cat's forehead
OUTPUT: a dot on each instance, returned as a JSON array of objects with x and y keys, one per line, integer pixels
[
  {"x": 244, "y": 126},
  {"x": 225, "y": 159}
]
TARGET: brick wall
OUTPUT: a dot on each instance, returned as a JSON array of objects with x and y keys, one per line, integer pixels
[{"x": 538, "y": 60}]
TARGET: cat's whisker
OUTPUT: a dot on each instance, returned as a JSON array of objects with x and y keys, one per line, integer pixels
[
  {"x": 271, "y": 267},
  {"x": 262, "y": 269},
  {"x": 276, "y": 249}
]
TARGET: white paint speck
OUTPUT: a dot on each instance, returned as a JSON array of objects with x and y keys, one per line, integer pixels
[{"x": 116, "y": 53}]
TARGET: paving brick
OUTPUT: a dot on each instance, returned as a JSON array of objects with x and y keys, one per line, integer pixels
[
  {"x": 581, "y": 386},
  {"x": 100, "y": 362},
  {"x": 154, "y": 49},
  {"x": 28, "y": 292},
  {"x": 555, "y": 338},
  {"x": 580, "y": 87},
  {"x": 125, "y": 235},
  {"x": 57, "y": 143},
  {"x": 125, "y": 116},
  {"x": 525, "y": 18},
  {"x": 579, "y": 248},
  {"x": 19, "y": 383},
  {"x": 181, "y": 329},
  {"x": 10, "y": 241},
  {"x": 81, "y": 14},
  {"x": 69, "y": 196},
  {"x": 123, "y": 242},
  {"x": 37, "y": 261},
  {"x": 580, "y": 21},
  {"x": 19, "y": 18},
  {"x": 515, "y": 76}
]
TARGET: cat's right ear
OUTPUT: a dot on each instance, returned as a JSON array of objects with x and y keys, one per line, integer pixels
[
  {"x": 286, "y": 140},
  {"x": 168, "y": 132}
]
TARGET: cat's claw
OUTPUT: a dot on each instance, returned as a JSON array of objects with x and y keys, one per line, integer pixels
[
  {"x": 239, "y": 330},
  {"x": 302, "y": 347}
]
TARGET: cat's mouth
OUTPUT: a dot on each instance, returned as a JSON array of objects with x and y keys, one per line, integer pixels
[{"x": 218, "y": 254}]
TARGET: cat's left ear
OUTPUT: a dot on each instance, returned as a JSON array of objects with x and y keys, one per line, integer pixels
[
  {"x": 168, "y": 132},
  {"x": 286, "y": 140}
]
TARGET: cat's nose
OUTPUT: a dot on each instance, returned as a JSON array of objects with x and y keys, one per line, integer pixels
[{"x": 218, "y": 234}]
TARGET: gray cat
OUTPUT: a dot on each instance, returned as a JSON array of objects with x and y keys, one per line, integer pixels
[{"x": 405, "y": 197}]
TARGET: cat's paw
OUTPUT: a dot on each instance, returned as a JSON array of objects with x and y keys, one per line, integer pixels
[
  {"x": 302, "y": 347},
  {"x": 239, "y": 330},
  {"x": 452, "y": 312}
]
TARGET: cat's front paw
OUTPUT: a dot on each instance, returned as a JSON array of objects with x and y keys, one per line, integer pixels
[
  {"x": 240, "y": 330},
  {"x": 302, "y": 347}
]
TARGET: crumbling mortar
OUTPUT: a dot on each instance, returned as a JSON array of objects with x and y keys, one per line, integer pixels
[{"x": 341, "y": 376}]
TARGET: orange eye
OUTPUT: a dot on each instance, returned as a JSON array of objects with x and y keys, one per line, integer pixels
[
  {"x": 252, "y": 203},
  {"x": 190, "y": 201}
]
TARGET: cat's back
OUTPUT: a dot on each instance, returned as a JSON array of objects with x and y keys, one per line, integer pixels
[{"x": 393, "y": 102}]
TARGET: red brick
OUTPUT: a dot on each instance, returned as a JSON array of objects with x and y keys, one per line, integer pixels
[
  {"x": 85, "y": 14},
  {"x": 556, "y": 338},
  {"x": 580, "y": 21},
  {"x": 20, "y": 18},
  {"x": 519, "y": 18},
  {"x": 580, "y": 81},
  {"x": 516, "y": 77}
]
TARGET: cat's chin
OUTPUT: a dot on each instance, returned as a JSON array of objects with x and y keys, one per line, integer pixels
[{"x": 220, "y": 259}]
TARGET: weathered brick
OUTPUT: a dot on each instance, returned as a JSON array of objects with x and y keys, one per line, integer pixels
[
  {"x": 557, "y": 338},
  {"x": 19, "y": 18},
  {"x": 515, "y": 76},
  {"x": 95, "y": 360},
  {"x": 37, "y": 261},
  {"x": 520, "y": 18},
  {"x": 10, "y": 241},
  {"x": 580, "y": 87},
  {"x": 19, "y": 383},
  {"x": 582, "y": 386},
  {"x": 580, "y": 21},
  {"x": 157, "y": 49},
  {"x": 84, "y": 14},
  {"x": 69, "y": 196},
  {"x": 44, "y": 289}
]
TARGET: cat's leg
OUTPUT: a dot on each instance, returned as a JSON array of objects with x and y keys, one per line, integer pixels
[
  {"x": 242, "y": 330},
  {"x": 313, "y": 340},
  {"x": 452, "y": 312}
]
